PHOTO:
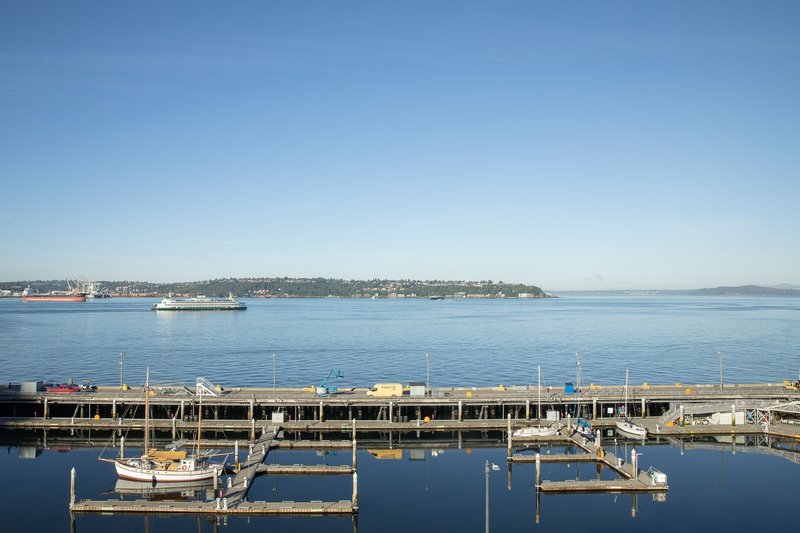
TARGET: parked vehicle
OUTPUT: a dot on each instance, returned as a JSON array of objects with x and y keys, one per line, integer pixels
[
  {"x": 63, "y": 389},
  {"x": 386, "y": 390}
]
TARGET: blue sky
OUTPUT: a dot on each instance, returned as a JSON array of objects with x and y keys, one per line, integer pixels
[{"x": 572, "y": 145}]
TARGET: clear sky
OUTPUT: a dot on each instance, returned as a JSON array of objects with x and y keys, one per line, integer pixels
[{"x": 571, "y": 145}]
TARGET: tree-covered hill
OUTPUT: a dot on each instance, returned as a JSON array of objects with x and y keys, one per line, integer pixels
[{"x": 305, "y": 288}]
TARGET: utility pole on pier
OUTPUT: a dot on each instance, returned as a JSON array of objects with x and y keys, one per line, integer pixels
[{"x": 428, "y": 375}]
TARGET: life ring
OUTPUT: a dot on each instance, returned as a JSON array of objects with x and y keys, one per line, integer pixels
[{"x": 183, "y": 467}]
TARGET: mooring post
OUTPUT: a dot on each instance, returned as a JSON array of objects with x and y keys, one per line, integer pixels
[
  {"x": 681, "y": 417},
  {"x": 236, "y": 452},
  {"x": 113, "y": 408},
  {"x": 527, "y": 409},
  {"x": 634, "y": 465},
  {"x": 644, "y": 413},
  {"x": 733, "y": 415},
  {"x": 598, "y": 442},
  {"x": 174, "y": 427},
  {"x": 182, "y": 409},
  {"x": 355, "y": 472},
  {"x": 538, "y": 470},
  {"x": 354, "y": 445},
  {"x": 44, "y": 412},
  {"x": 460, "y": 410},
  {"x": 355, "y": 491},
  {"x": 250, "y": 411},
  {"x": 216, "y": 482},
  {"x": 391, "y": 411},
  {"x": 72, "y": 487},
  {"x": 252, "y": 429},
  {"x": 122, "y": 447},
  {"x": 509, "y": 435}
]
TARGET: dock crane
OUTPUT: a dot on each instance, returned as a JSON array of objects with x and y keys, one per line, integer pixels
[{"x": 323, "y": 389}]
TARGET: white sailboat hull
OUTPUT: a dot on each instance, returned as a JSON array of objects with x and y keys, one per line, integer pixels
[
  {"x": 536, "y": 431},
  {"x": 148, "y": 473},
  {"x": 631, "y": 428}
]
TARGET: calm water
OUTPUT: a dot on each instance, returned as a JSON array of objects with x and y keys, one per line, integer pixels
[
  {"x": 471, "y": 343},
  {"x": 710, "y": 490}
]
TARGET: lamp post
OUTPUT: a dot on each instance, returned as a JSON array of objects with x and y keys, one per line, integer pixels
[
  {"x": 720, "y": 370},
  {"x": 489, "y": 467},
  {"x": 487, "y": 496},
  {"x": 121, "y": 370},
  {"x": 428, "y": 375}
]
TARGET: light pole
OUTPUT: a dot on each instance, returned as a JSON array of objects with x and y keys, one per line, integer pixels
[
  {"x": 487, "y": 470},
  {"x": 487, "y": 496},
  {"x": 428, "y": 375},
  {"x": 273, "y": 374},
  {"x": 121, "y": 370},
  {"x": 720, "y": 370}
]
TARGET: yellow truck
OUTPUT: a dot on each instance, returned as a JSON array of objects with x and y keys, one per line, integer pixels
[{"x": 386, "y": 390}]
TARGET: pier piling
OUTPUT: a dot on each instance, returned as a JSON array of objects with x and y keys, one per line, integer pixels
[{"x": 72, "y": 487}]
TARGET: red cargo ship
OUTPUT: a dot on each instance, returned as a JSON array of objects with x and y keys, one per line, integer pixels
[{"x": 52, "y": 296}]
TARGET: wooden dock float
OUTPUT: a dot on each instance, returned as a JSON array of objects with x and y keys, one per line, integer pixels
[
  {"x": 236, "y": 493},
  {"x": 244, "y": 508},
  {"x": 556, "y": 458},
  {"x": 598, "y": 485},
  {"x": 308, "y": 470}
]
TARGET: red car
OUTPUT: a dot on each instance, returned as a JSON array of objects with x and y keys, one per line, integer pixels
[{"x": 63, "y": 389}]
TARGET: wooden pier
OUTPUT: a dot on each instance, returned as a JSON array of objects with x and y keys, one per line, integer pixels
[
  {"x": 232, "y": 501},
  {"x": 630, "y": 478}
]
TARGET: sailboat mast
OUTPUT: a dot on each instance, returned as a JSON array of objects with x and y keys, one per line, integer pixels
[
  {"x": 199, "y": 418},
  {"x": 147, "y": 411},
  {"x": 539, "y": 389},
  {"x": 627, "y": 416}
]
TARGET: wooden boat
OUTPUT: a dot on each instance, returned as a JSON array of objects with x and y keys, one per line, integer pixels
[{"x": 164, "y": 466}]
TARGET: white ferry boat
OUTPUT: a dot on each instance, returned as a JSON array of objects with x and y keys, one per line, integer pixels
[{"x": 199, "y": 303}]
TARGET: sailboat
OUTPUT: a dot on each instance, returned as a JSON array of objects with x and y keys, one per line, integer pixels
[
  {"x": 538, "y": 431},
  {"x": 158, "y": 466},
  {"x": 626, "y": 425}
]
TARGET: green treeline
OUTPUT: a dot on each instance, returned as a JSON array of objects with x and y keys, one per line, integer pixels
[{"x": 305, "y": 288}]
